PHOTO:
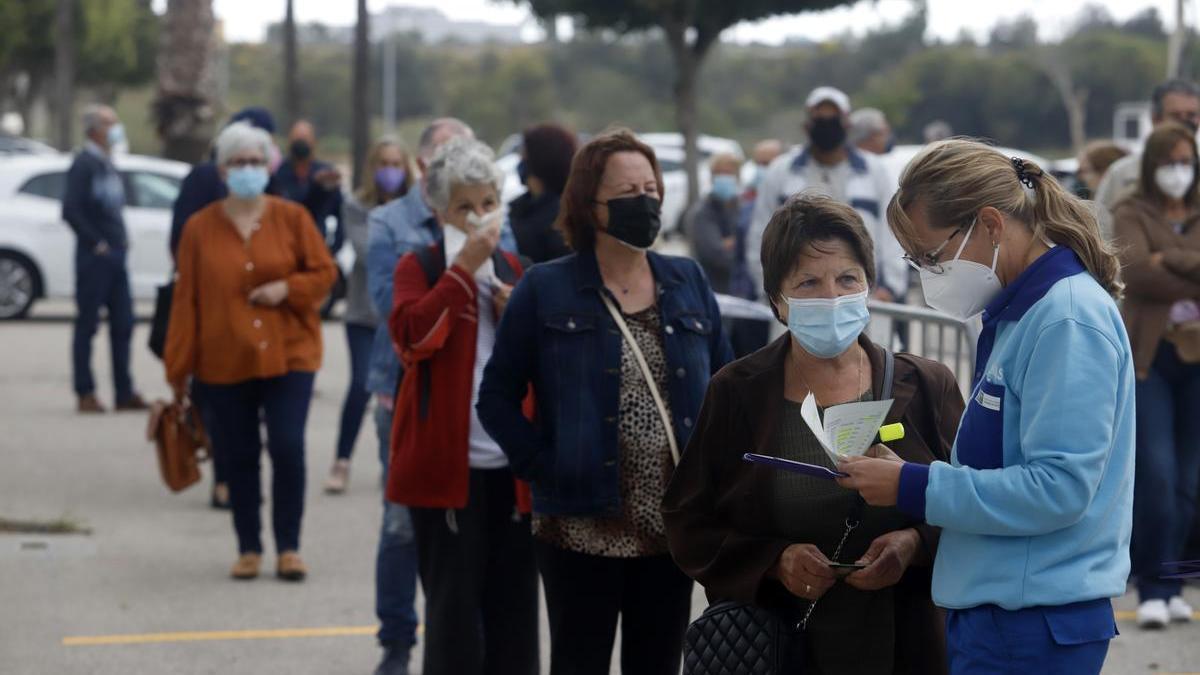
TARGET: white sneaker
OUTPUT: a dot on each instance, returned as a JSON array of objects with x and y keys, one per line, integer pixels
[
  {"x": 1153, "y": 614},
  {"x": 1179, "y": 609}
]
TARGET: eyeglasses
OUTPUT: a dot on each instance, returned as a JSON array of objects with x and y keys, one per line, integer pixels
[
  {"x": 929, "y": 262},
  {"x": 244, "y": 162}
]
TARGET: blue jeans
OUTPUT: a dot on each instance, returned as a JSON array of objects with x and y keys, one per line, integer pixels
[
  {"x": 1168, "y": 470},
  {"x": 1063, "y": 640},
  {"x": 236, "y": 433},
  {"x": 396, "y": 559},
  {"x": 359, "y": 339},
  {"x": 102, "y": 281}
]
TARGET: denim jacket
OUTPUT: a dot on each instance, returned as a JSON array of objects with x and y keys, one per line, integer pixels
[
  {"x": 394, "y": 229},
  {"x": 557, "y": 335}
]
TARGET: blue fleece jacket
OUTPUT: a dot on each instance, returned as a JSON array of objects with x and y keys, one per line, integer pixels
[{"x": 1036, "y": 504}]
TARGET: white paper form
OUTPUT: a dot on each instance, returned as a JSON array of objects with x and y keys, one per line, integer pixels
[{"x": 848, "y": 429}]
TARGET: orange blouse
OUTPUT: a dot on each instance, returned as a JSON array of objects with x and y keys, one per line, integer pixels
[{"x": 215, "y": 334}]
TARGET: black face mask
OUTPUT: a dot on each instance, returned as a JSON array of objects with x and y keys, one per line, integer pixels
[
  {"x": 827, "y": 133},
  {"x": 634, "y": 220},
  {"x": 301, "y": 150}
]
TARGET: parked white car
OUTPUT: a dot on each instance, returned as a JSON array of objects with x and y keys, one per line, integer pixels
[{"x": 37, "y": 247}]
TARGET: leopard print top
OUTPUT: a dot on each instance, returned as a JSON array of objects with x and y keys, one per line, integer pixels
[{"x": 645, "y": 462}]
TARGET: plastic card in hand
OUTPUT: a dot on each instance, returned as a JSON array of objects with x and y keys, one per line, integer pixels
[
  {"x": 795, "y": 467},
  {"x": 848, "y": 429}
]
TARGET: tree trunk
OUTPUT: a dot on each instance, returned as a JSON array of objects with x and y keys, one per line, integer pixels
[
  {"x": 362, "y": 116},
  {"x": 183, "y": 105},
  {"x": 1176, "y": 42},
  {"x": 291, "y": 78},
  {"x": 687, "y": 62},
  {"x": 1053, "y": 64},
  {"x": 64, "y": 73}
]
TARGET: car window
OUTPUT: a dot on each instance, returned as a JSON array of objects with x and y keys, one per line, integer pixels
[
  {"x": 151, "y": 190},
  {"x": 48, "y": 185}
]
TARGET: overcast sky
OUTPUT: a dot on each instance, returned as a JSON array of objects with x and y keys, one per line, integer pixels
[{"x": 246, "y": 20}]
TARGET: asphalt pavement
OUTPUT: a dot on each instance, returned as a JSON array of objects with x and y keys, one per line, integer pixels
[{"x": 148, "y": 591}]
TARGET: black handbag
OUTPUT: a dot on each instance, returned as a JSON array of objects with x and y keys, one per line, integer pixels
[
  {"x": 738, "y": 638},
  {"x": 734, "y": 638},
  {"x": 162, "y": 316}
]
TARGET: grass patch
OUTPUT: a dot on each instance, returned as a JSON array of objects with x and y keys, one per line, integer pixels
[{"x": 60, "y": 526}]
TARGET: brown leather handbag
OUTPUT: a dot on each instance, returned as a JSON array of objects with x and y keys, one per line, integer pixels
[{"x": 180, "y": 441}]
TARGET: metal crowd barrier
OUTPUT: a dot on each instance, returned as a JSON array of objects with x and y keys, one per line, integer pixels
[{"x": 917, "y": 330}]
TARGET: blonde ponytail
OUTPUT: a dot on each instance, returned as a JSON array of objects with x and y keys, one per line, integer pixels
[{"x": 954, "y": 179}]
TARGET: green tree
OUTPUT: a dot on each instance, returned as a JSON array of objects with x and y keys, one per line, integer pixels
[{"x": 691, "y": 28}]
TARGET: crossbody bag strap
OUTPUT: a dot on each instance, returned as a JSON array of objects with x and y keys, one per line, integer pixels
[{"x": 649, "y": 376}]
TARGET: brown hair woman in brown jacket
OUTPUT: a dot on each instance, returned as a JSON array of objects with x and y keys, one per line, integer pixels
[
  {"x": 754, "y": 534},
  {"x": 1158, "y": 235}
]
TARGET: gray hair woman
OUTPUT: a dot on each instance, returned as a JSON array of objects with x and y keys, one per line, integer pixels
[
  {"x": 252, "y": 271},
  {"x": 470, "y": 516}
]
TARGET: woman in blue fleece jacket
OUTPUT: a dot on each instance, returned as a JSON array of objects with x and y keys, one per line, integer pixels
[{"x": 1036, "y": 504}]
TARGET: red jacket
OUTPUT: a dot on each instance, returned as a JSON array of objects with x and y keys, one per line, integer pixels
[{"x": 434, "y": 331}]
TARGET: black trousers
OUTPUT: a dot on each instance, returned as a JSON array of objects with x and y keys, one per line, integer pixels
[
  {"x": 585, "y": 594},
  {"x": 480, "y": 580}
]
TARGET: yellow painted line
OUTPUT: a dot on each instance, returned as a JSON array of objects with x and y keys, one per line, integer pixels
[
  {"x": 215, "y": 635},
  {"x": 1130, "y": 615}
]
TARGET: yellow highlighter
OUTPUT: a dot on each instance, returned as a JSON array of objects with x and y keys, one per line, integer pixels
[{"x": 889, "y": 433}]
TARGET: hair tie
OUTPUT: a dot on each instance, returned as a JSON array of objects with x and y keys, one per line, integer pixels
[{"x": 1023, "y": 174}]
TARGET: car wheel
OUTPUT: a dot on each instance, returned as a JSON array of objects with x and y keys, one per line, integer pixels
[{"x": 18, "y": 286}]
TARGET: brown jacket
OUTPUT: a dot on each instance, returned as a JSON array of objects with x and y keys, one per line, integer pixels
[
  {"x": 718, "y": 507},
  {"x": 215, "y": 333},
  {"x": 1141, "y": 230}
]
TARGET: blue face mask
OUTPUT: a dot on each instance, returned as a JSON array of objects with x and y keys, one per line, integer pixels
[
  {"x": 826, "y": 327},
  {"x": 724, "y": 187},
  {"x": 116, "y": 135},
  {"x": 248, "y": 182}
]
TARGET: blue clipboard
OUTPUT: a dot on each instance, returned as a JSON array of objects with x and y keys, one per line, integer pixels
[{"x": 795, "y": 467}]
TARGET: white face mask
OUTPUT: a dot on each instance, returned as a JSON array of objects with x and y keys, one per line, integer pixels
[
  {"x": 1174, "y": 179},
  {"x": 489, "y": 219},
  {"x": 454, "y": 239},
  {"x": 964, "y": 288}
]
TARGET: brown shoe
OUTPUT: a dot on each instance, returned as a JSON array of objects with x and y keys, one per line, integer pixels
[
  {"x": 132, "y": 404},
  {"x": 291, "y": 567},
  {"x": 246, "y": 567},
  {"x": 339, "y": 477},
  {"x": 90, "y": 405}
]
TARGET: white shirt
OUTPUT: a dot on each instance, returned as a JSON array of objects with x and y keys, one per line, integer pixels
[
  {"x": 483, "y": 452},
  {"x": 860, "y": 181}
]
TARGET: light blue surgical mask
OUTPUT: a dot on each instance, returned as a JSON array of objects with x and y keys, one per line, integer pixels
[
  {"x": 116, "y": 135},
  {"x": 724, "y": 187},
  {"x": 248, "y": 182},
  {"x": 826, "y": 327}
]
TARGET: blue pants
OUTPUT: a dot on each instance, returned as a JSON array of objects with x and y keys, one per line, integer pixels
[
  {"x": 1064, "y": 640},
  {"x": 396, "y": 558},
  {"x": 359, "y": 339},
  {"x": 102, "y": 281},
  {"x": 238, "y": 411},
  {"x": 1167, "y": 470}
]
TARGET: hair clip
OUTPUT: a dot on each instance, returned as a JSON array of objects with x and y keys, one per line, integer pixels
[{"x": 1023, "y": 174}]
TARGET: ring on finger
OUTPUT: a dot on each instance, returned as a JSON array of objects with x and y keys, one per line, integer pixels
[{"x": 807, "y": 589}]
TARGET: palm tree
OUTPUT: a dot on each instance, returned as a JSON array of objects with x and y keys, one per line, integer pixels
[
  {"x": 362, "y": 117},
  {"x": 183, "y": 108},
  {"x": 291, "y": 82}
]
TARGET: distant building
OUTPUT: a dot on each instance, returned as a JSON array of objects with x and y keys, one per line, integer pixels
[{"x": 431, "y": 24}]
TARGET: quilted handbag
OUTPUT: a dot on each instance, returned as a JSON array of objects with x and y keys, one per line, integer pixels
[{"x": 733, "y": 638}]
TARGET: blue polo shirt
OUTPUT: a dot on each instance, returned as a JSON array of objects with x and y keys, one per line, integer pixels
[{"x": 1036, "y": 503}]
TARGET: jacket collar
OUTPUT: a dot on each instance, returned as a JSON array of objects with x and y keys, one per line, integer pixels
[
  {"x": 587, "y": 272},
  {"x": 1032, "y": 285},
  {"x": 857, "y": 162},
  {"x": 761, "y": 383}
]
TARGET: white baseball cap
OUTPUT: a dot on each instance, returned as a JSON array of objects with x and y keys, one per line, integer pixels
[{"x": 829, "y": 94}]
